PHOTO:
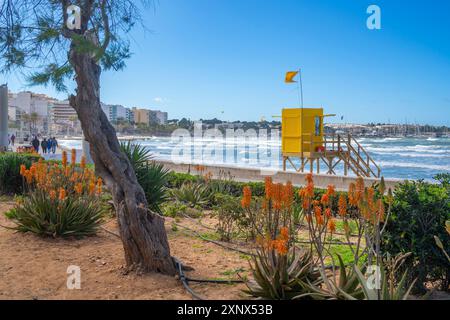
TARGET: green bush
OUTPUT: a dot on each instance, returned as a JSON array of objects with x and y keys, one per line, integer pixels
[
  {"x": 176, "y": 180},
  {"x": 173, "y": 209},
  {"x": 229, "y": 215},
  {"x": 10, "y": 179},
  {"x": 73, "y": 216},
  {"x": 419, "y": 212},
  {"x": 234, "y": 188}
]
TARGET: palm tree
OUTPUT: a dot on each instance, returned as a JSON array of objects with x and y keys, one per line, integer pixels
[
  {"x": 34, "y": 118},
  {"x": 26, "y": 118}
]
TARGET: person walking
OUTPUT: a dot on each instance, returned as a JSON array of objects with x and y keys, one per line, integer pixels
[
  {"x": 49, "y": 144},
  {"x": 54, "y": 145},
  {"x": 13, "y": 138},
  {"x": 35, "y": 143},
  {"x": 44, "y": 145}
]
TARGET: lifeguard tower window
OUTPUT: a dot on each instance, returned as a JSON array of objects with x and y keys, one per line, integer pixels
[{"x": 318, "y": 126}]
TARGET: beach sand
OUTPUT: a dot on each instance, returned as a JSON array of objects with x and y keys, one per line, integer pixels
[{"x": 32, "y": 267}]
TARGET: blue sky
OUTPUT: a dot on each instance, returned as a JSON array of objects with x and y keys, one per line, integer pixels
[{"x": 227, "y": 59}]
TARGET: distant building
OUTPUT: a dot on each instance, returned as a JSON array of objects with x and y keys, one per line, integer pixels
[
  {"x": 30, "y": 102},
  {"x": 129, "y": 115},
  {"x": 106, "y": 109},
  {"x": 116, "y": 112},
  {"x": 35, "y": 106},
  {"x": 63, "y": 118},
  {"x": 161, "y": 117},
  {"x": 38, "y": 113},
  {"x": 13, "y": 113},
  {"x": 147, "y": 116},
  {"x": 141, "y": 116},
  {"x": 62, "y": 111}
]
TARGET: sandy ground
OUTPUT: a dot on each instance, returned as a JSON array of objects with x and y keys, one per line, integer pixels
[{"x": 35, "y": 268}]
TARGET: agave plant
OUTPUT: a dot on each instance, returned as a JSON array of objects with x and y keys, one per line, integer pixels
[
  {"x": 153, "y": 179},
  {"x": 388, "y": 288},
  {"x": 439, "y": 241},
  {"x": 151, "y": 176},
  {"x": 192, "y": 194},
  {"x": 283, "y": 277},
  {"x": 346, "y": 288},
  {"x": 136, "y": 153}
]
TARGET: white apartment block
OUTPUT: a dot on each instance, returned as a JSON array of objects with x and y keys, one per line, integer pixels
[
  {"x": 161, "y": 117},
  {"x": 29, "y": 102},
  {"x": 63, "y": 118},
  {"x": 117, "y": 112},
  {"x": 25, "y": 105}
]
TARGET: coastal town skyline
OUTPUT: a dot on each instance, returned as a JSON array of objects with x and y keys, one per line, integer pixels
[
  {"x": 398, "y": 74},
  {"x": 118, "y": 111}
]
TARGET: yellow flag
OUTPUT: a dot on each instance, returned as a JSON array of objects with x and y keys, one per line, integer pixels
[{"x": 290, "y": 76}]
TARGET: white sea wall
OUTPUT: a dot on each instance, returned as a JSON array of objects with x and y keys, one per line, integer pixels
[{"x": 341, "y": 183}]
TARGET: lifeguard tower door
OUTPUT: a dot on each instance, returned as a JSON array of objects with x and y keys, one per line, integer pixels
[{"x": 302, "y": 131}]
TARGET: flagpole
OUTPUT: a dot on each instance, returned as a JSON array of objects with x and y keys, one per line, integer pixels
[{"x": 301, "y": 87}]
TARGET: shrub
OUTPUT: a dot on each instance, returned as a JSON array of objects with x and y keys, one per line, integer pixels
[
  {"x": 229, "y": 215},
  {"x": 63, "y": 200},
  {"x": 173, "y": 209},
  {"x": 54, "y": 217},
  {"x": 233, "y": 188},
  {"x": 176, "y": 180},
  {"x": 419, "y": 213},
  {"x": 10, "y": 179},
  {"x": 152, "y": 177}
]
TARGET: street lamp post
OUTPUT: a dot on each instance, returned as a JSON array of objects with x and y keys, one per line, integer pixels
[{"x": 4, "y": 118}]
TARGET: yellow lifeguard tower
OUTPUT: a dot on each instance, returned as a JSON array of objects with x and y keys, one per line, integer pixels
[{"x": 303, "y": 137}]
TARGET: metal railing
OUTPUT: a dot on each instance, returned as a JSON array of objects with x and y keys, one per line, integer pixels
[{"x": 353, "y": 154}]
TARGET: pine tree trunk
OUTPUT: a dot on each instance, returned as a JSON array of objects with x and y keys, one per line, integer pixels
[{"x": 143, "y": 234}]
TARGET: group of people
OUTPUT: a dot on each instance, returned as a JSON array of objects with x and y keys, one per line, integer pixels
[{"x": 48, "y": 145}]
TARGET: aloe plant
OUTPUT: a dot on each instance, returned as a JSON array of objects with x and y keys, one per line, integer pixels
[
  {"x": 346, "y": 288},
  {"x": 74, "y": 216},
  {"x": 283, "y": 277},
  {"x": 388, "y": 288}
]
